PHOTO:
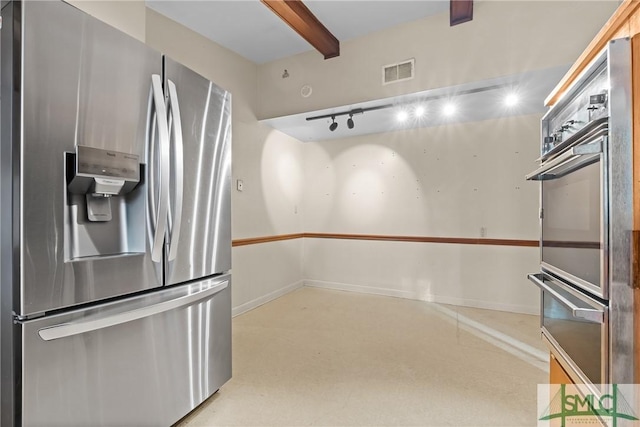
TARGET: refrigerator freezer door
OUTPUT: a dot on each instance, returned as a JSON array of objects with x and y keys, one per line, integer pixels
[
  {"x": 144, "y": 361},
  {"x": 83, "y": 83},
  {"x": 204, "y": 244}
]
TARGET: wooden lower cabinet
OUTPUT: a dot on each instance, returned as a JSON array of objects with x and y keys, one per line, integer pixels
[{"x": 557, "y": 374}]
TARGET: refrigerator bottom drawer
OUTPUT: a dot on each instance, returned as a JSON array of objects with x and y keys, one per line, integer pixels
[{"x": 142, "y": 365}]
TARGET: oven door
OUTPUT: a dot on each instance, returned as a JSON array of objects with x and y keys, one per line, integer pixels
[
  {"x": 575, "y": 326},
  {"x": 574, "y": 216}
]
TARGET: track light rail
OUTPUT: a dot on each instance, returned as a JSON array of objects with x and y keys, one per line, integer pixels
[
  {"x": 350, "y": 112},
  {"x": 428, "y": 98}
]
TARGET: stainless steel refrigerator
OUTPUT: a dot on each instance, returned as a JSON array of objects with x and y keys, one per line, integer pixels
[{"x": 115, "y": 226}]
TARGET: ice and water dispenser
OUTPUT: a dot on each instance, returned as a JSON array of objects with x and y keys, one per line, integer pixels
[{"x": 104, "y": 204}]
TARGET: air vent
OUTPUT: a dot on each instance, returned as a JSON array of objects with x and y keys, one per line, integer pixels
[{"x": 398, "y": 72}]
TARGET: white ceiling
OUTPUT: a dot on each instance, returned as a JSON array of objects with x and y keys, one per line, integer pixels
[{"x": 250, "y": 29}]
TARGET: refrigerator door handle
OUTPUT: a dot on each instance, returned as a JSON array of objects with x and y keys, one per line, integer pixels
[
  {"x": 100, "y": 322},
  {"x": 150, "y": 138},
  {"x": 176, "y": 128},
  {"x": 163, "y": 154}
]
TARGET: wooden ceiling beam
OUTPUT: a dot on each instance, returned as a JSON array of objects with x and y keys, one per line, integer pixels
[
  {"x": 460, "y": 11},
  {"x": 304, "y": 22}
]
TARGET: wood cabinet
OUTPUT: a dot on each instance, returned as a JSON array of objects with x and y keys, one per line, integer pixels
[{"x": 557, "y": 374}]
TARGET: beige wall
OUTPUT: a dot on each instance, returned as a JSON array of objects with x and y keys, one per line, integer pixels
[
  {"x": 505, "y": 37},
  {"x": 449, "y": 180},
  {"x": 492, "y": 277},
  {"x": 462, "y": 180},
  {"x": 125, "y": 15}
]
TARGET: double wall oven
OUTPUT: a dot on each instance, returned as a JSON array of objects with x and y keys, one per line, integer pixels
[{"x": 586, "y": 220}]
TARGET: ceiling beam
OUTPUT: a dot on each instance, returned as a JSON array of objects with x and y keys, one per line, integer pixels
[
  {"x": 460, "y": 11},
  {"x": 304, "y": 22}
]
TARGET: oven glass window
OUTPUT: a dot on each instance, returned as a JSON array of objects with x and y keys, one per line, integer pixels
[
  {"x": 581, "y": 339},
  {"x": 571, "y": 224}
]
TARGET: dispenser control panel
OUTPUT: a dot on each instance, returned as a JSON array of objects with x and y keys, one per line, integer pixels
[
  {"x": 104, "y": 172},
  {"x": 94, "y": 161}
]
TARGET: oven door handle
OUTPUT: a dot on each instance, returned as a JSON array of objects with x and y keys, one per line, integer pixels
[
  {"x": 578, "y": 312},
  {"x": 573, "y": 159}
]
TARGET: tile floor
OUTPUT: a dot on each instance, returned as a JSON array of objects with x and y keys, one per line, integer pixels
[{"x": 318, "y": 357}]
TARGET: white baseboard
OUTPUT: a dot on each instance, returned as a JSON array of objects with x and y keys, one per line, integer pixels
[
  {"x": 489, "y": 305},
  {"x": 243, "y": 308},
  {"x": 360, "y": 289},
  {"x": 465, "y": 302}
]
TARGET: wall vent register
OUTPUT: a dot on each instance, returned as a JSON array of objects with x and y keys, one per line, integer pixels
[{"x": 401, "y": 71}]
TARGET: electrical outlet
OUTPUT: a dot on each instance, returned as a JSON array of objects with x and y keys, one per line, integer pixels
[
  {"x": 239, "y": 185},
  {"x": 483, "y": 232}
]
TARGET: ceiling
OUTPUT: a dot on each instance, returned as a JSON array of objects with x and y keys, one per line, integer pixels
[{"x": 250, "y": 29}]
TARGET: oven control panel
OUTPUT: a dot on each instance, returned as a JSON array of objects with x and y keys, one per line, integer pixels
[{"x": 583, "y": 109}]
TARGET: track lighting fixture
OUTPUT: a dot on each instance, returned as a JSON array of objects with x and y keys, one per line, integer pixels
[
  {"x": 414, "y": 108},
  {"x": 333, "y": 126}
]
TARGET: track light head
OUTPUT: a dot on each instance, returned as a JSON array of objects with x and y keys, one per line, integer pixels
[
  {"x": 333, "y": 126},
  {"x": 350, "y": 121}
]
